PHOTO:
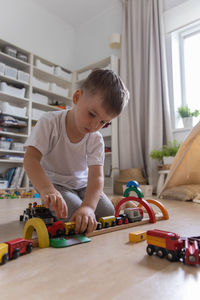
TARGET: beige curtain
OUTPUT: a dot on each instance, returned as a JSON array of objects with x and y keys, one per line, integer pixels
[{"x": 145, "y": 123}]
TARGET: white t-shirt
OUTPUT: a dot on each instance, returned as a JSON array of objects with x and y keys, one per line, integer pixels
[{"x": 65, "y": 163}]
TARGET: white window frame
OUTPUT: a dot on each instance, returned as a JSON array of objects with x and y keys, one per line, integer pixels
[{"x": 178, "y": 66}]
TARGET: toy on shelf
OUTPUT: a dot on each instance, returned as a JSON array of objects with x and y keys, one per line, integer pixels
[
  {"x": 14, "y": 248},
  {"x": 17, "y": 193},
  {"x": 137, "y": 236},
  {"x": 170, "y": 245}
]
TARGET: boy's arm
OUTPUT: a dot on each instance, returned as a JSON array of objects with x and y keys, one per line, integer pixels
[
  {"x": 84, "y": 216},
  {"x": 42, "y": 183}
]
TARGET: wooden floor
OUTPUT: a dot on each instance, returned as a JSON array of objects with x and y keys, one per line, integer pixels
[{"x": 106, "y": 268}]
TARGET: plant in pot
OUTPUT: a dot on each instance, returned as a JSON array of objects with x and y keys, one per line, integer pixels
[
  {"x": 166, "y": 154},
  {"x": 187, "y": 116}
]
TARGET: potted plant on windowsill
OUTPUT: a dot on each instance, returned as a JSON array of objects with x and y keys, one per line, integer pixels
[
  {"x": 187, "y": 116},
  {"x": 166, "y": 154}
]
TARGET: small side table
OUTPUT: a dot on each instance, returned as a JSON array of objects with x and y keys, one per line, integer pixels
[{"x": 161, "y": 180}]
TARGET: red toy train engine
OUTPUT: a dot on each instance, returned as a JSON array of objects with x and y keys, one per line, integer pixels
[{"x": 172, "y": 246}]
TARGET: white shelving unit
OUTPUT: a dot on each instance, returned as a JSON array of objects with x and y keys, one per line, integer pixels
[
  {"x": 38, "y": 68},
  {"x": 110, "y": 134},
  {"x": 55, "y": 84}
]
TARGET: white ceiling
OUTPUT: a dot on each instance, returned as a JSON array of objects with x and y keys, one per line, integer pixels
[{"x": 76, "y": 12}]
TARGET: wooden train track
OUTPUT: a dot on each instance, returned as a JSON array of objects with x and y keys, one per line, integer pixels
[{"x": 159, "y": 217}]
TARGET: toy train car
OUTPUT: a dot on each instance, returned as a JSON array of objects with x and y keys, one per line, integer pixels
[
  {"x": 171, "y": 246},
  {"x": 38, "y": 211},
  {"x": 59, "y": 228},
  {"x": 14, "y": 248},
  {"x": 130, "y": 215}
]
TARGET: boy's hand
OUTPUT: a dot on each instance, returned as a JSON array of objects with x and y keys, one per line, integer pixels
[
  {"x": 85, "y": 220},
  {"x": 57, "y": 203}
]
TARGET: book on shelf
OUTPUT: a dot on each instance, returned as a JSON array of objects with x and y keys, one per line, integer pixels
[
  {"x": 10, "y": 174},
  {"x": 17, "y": 178}
]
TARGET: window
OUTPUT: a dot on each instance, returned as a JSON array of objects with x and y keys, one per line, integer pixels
[{"x": 186, "y": 68}]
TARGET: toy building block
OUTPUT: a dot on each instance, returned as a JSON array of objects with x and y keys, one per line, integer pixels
[{"x": 137, "y": 236}]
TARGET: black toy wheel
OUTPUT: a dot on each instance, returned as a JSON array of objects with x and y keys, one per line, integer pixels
[
  {"x": 5, "y": 259},
  {"x": 16, "y": 254},
  {"x": 161, "y": 253},
  {"x": 171, "y": 256},
  {"x": 29, "y": 248},
  {"x": 150, "y": 250}
]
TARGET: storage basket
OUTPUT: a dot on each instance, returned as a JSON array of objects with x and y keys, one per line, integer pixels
[
  {"x": 10, "y": 51},
  {"x": 44, "y": 67},
  {"x": 23, "y": 76},
  {"x": 2, "y": 68},
  {"x": 10, "y": 72},
  {"x": 8, "y": 89},
  {"x": 5, "y": 145},
  {"x": 40, "y": 84},
  {"x": 40, "y": 98},
  {"x": 17, "y": 146},
  {"x": 61, "y": 73},
  {"x": 6, "y": 108},
  {"x": 58, "y": 90}
]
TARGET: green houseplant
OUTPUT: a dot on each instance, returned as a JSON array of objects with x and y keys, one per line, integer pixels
[
  {"x": 187, "y": 115},
  {"x": 166, "y": 152}
]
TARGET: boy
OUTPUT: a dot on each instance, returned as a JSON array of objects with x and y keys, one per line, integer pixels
[{"x": 65, "y": 152}]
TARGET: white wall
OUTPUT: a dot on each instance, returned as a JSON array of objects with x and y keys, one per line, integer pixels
[
  {"x": 181, "y": 15},
  {"x": 27, "y": 25},
  {"x": 92, "y": 38}
]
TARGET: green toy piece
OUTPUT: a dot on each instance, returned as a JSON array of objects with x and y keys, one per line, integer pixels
[
  {"x": 69, "y": 241},
  {"x": 136, "y": 190}
]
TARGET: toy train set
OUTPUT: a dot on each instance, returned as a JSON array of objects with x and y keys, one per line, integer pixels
[
  {"x": 171, "y": 246},
  {"x": 47, "y": 227}
]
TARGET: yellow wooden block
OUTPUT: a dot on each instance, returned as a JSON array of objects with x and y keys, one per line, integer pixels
[{"x": 137, "y": 236}]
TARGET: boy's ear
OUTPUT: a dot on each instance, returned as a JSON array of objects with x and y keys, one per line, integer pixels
[{"x": 77, "y": 95}]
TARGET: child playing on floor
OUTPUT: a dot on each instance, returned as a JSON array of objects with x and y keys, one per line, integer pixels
[{"x": 65, "y": 152}]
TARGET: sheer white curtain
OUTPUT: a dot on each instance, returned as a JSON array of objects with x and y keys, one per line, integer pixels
[{"x": 145, "y": 123}]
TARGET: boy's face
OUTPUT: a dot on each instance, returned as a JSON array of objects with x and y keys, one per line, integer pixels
[{"x": 89, "y": 113}]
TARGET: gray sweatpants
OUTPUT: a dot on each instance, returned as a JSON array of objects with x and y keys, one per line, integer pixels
[{"x": 74, "y": 198}]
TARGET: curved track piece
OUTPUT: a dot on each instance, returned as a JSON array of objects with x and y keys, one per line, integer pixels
[
  {"x": 143, "y": 202},
  {"x": 159, "y": 205},
  {"x": 41, "y": 229}
]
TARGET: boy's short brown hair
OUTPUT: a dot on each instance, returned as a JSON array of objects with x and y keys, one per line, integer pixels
[{"x": 110, "y": 86}]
